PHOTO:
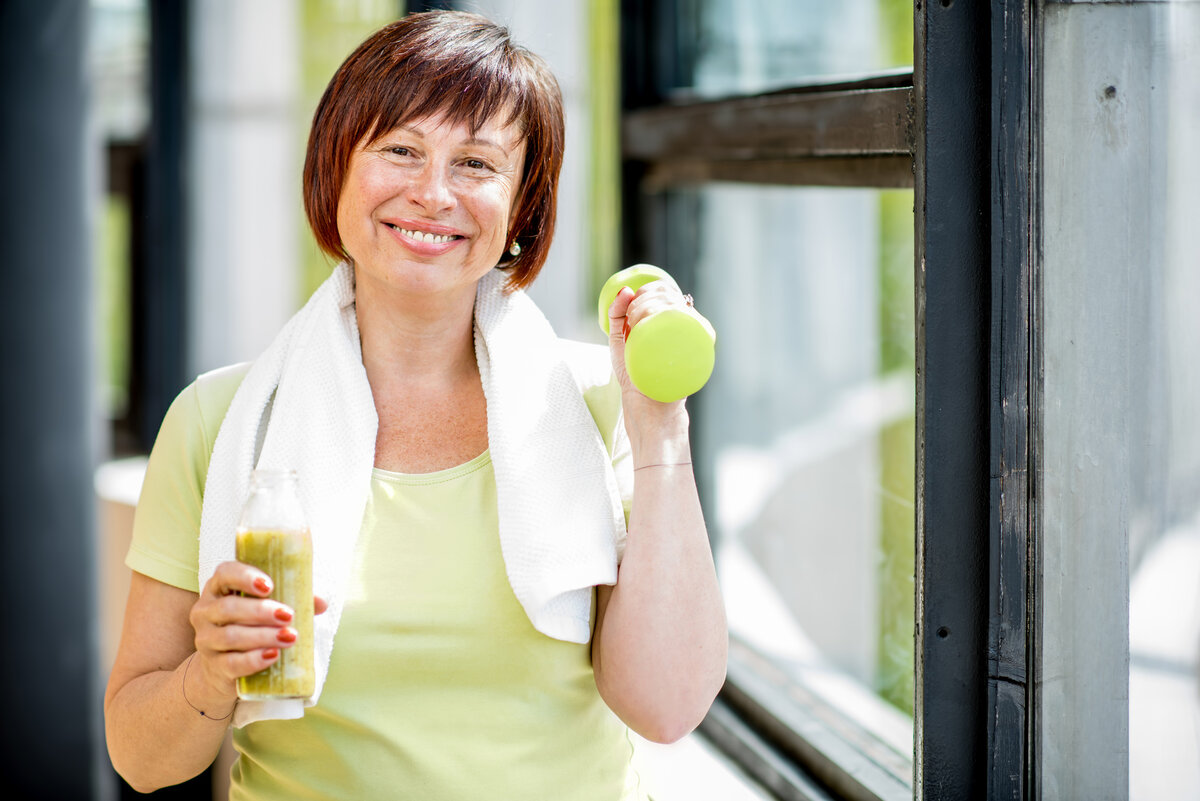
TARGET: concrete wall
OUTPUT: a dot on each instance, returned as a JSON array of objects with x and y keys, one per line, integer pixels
[{"x": 1120, "y": 395}]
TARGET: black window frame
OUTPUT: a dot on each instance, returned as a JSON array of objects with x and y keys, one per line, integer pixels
[{"x": 961, "y": 129}]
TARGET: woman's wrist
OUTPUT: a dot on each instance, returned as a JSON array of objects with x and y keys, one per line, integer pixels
[
  {"x": 660, "y": 447},
  {"x": 213, "y": 700}
]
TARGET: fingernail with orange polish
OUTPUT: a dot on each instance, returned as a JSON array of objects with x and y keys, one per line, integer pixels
[
  {"x": 262, "y": 585},
  {"x": 283, "y": 615},
  {"x": 286, "y": 635}
]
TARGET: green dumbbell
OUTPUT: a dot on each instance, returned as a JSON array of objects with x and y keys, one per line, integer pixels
[{"x": 670, "y": 354}]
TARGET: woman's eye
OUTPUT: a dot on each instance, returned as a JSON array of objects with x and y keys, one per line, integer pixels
[
  {"x": 476, "y": 164},
  {"x": 398, "y": 150}
]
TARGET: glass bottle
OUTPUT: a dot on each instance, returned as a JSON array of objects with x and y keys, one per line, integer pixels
[{"x": 273, "y": 536}]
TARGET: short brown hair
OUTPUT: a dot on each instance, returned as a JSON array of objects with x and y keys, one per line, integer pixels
[{"x": 441, "y": 62}]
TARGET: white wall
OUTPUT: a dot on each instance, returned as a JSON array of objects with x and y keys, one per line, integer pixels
[{"x": 243, "y": 178}]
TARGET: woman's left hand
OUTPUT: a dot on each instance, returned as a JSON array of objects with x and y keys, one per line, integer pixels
[{"x": 628, "y": 309}]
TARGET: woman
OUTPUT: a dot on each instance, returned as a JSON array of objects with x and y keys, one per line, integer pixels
[{"x": 467, "y": 477}]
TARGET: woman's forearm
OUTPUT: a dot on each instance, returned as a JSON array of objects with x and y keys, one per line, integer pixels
[
  {"x": 155, "y": 738},
  {"x": 661, "y": 639}
]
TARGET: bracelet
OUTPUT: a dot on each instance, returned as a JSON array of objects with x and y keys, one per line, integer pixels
[
  {"x": 665, "y": 464},
  {"x": 189, "y": 703}
]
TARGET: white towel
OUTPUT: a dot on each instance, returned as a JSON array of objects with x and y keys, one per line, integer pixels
[{"x": 560, "y": 510}]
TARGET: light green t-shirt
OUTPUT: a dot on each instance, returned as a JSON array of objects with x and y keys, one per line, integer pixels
[{"x": 439, "y": 687}]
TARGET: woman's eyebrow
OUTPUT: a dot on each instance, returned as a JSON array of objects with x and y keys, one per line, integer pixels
[
  {"x": 477, "y": 141},
  {"x": 474, "y": 141}
]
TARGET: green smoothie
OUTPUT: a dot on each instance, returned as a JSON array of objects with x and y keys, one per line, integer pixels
[{"x": 285, "y": 556}]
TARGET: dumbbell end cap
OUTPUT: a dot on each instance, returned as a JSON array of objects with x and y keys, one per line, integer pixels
[{"x": 670, "y": 355}]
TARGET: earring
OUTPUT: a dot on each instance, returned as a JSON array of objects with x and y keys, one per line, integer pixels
[{"x": 515, "y": 250}]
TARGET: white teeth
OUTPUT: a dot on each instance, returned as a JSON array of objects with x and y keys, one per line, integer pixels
[{"x": 425, "y": 236}]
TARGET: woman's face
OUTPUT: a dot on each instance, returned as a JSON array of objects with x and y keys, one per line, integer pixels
[{"x": 426, "y": 206}]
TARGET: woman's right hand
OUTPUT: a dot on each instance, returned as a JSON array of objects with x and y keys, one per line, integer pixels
[
  {"x": 181, "y": 653},
  {"x": 239, "y": 630}
]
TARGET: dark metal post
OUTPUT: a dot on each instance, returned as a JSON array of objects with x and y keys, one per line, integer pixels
[
  {"x": 50, "y": 696},
  {"x": 159, "y": 278},
  {"x": 952, "y": 161},
  {"x": 1014, "y": 620}
]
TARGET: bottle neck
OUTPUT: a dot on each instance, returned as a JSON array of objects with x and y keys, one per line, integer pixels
[{"x": 273, "y": 502}]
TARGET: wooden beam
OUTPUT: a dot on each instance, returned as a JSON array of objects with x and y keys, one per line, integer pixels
[
  {"x": 887, "y": 172},
  {"x": 775, "y": 127}
]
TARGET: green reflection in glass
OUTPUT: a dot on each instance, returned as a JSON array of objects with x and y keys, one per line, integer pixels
[
  {"x": 604, "y": 147},
  {"x": 897, "y": 454},
  {"x": 113, "y": 292},
  {"x": 896, "y": 32}
]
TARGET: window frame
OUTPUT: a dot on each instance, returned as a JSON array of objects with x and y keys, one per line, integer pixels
[
  {"x": 1014, "y": 647},
  {"x": 961, "y": 129}
]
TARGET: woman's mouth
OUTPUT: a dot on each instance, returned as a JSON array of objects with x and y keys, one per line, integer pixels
[{"x": 425, "y": 237}]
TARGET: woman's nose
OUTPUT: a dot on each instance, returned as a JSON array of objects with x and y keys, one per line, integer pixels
[{"x": 430, "y": 189}]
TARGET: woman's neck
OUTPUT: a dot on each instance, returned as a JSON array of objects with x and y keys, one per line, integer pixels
[
  {"x": 409, "y": 340},
  {"x": 419, "y": 353}
]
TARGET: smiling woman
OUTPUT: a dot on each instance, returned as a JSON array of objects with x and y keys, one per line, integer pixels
[{"x": 472, "y": 482}]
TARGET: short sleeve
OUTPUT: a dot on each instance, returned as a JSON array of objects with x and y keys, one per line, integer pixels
[{"x": 166, "y": 526}]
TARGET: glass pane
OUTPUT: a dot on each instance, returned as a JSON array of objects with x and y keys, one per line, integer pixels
[
  {"x": 746, "y": 46},
  {"x": 806, "y": 432},
  {"x": 1121, "y": 515}
]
